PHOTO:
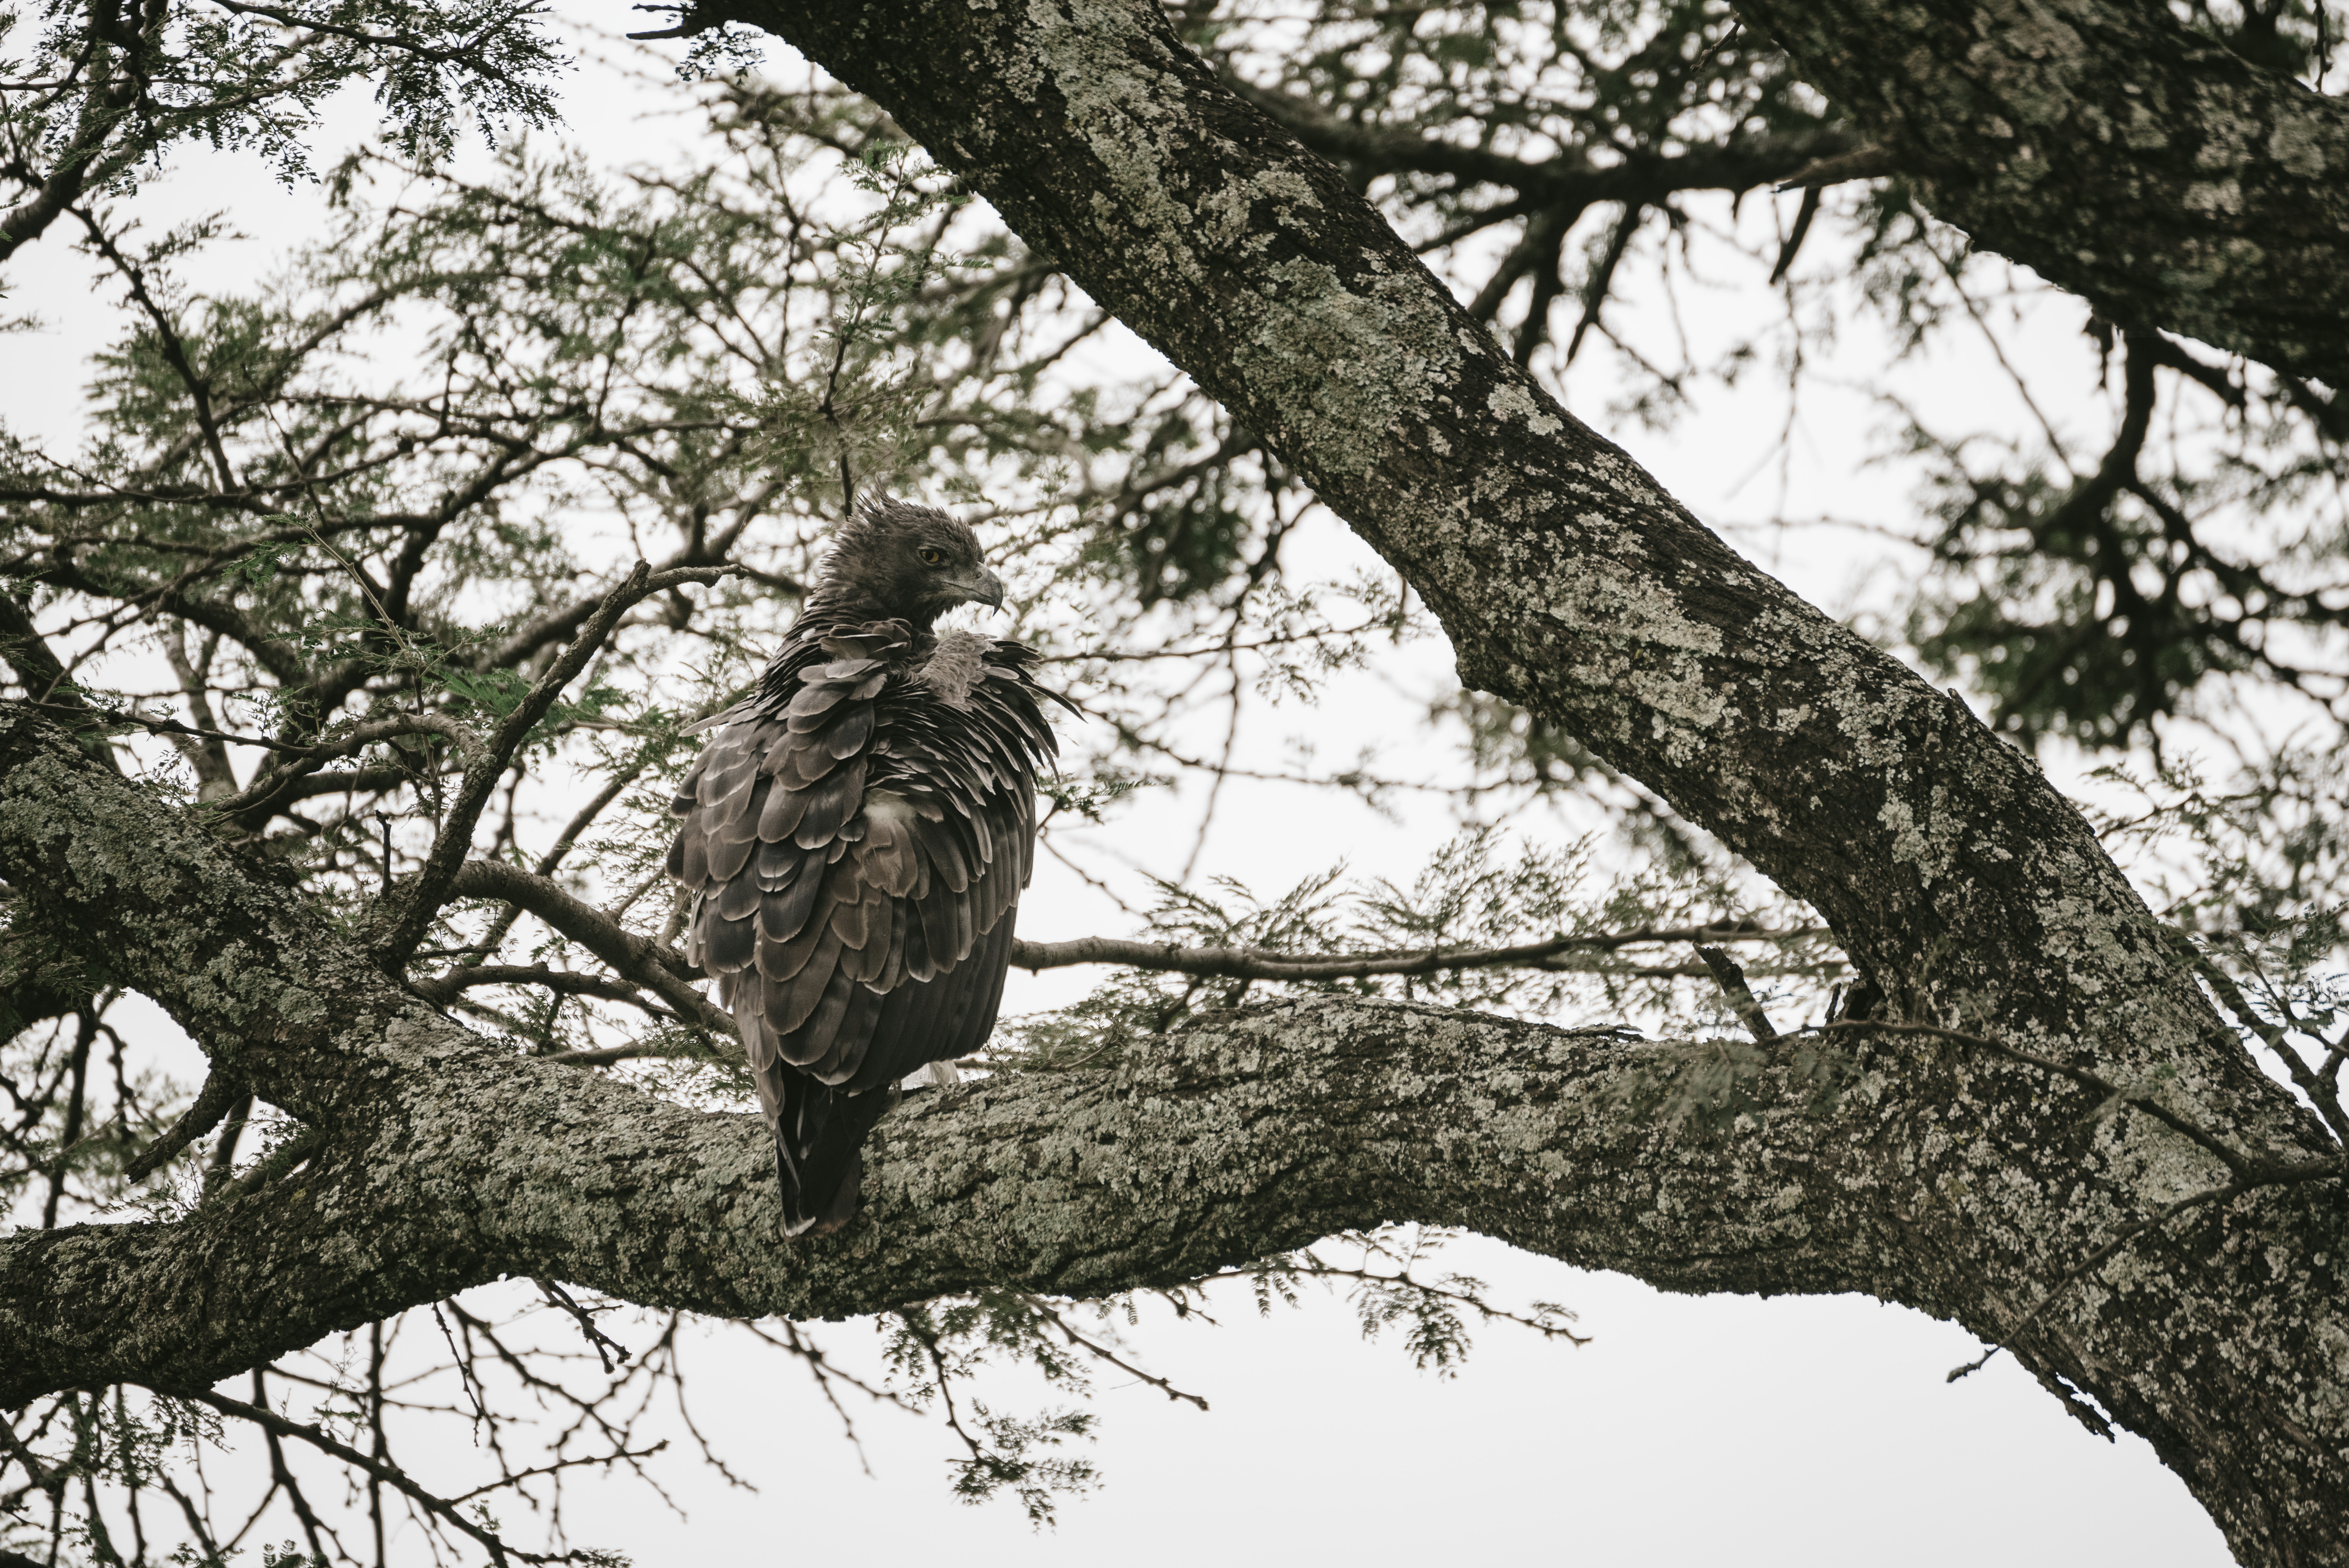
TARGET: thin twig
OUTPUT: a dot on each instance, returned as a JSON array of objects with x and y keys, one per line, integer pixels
[
  {"x": 597, "y": 1340},
  {"x": 1264, "y": 963},
  {"x": 1044, "y": 1309},
  {"x": 392, "y": 1475}
]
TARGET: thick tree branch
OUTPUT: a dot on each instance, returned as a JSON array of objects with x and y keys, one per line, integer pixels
[
  {"x": 2112, "y": 149},
  {"x": 117, "y": 82},
  {"x": 435, "y": 1161},
  {"x": 1912, "y": 1165}
]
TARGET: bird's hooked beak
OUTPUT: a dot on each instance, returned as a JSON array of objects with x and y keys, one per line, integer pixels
[{"x": 986, "y": 588}]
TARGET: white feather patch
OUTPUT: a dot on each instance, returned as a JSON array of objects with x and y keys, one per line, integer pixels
[{"x": 956, "y": 667}]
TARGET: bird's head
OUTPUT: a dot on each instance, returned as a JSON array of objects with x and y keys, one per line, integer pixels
[{"x": 909, "y": 563}]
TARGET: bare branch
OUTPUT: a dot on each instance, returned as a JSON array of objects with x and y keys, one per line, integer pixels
[
  {"x": 638, "y": 959},
  {"x": 391, "y": 1475},
  {"x": 1260, "y": 963},
  {"x": 420, "y": 901},
  {"x": 443, "y": 988}
]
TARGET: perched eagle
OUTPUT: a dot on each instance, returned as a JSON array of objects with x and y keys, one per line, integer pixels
[{"x": 856, "y": 836}]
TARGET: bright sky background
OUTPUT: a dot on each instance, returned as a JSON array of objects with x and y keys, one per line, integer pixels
[{"x": 1692, "y": 1430}]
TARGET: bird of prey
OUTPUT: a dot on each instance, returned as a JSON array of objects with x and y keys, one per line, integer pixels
[{"x": 855, "y": 838}]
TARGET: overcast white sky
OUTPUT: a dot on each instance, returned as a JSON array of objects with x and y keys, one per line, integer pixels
[{"x": 1692, "y": 1430}]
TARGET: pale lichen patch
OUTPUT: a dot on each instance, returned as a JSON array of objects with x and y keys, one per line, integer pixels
[
  {"x": 1510, "y": 401},
  {"x": 2297, "y": 146}
]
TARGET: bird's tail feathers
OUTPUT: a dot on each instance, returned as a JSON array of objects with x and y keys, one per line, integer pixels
[{"x": 818, "y": 1133}]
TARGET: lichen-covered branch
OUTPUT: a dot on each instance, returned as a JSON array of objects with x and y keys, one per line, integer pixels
[
  {"x": 441, "y": 1160},
  {"x": 2149, "y": 168},
  {"x": 1957, "y": 1177},
  {"x": 1918, "y": 1166},
  {"x": 1960, "y": 882}
]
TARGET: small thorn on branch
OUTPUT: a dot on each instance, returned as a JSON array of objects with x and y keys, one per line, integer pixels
[
  {"x": 1859, "y": 163},
  {"x": 1803, "y": 214},
  {"x": 688, "y": 24}
]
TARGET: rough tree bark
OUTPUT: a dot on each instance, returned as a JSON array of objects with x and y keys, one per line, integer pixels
[
  {"x": 2152, "y": 170},
  {"x": 1946, "y": 1175}
]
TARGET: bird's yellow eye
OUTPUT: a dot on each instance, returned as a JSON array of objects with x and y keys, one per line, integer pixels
[{"x": 934, "y": 557}]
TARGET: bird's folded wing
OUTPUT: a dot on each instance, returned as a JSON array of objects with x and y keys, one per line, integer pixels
[{"x": 854, "y": 895}]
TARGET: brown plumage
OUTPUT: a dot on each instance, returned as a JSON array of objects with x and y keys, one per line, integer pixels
[{"x": 855, "y": 838}]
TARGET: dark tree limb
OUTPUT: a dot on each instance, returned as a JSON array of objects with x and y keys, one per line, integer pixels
[
  {"x": 35, "y": 665},
  {"x": 2117, "y": 152},
  {"x": 640, "y": 959},
  {"x": 1805, "y": 212},
  {"x": 42, "y": 674},
  {"x": 1572, "y": 178},
  {"x": 444, "y": 987},
  {"x": 435, "y": 1161}
]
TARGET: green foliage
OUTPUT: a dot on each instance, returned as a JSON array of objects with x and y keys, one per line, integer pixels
[
  {"x": 289, "y": 1555},
  {"x": 1384, "y": 1281},
  {"x": 1091, "y": 797},
  {"x": 1184, "y": 540},
  {"x": 2097, "y": 590},
  {"x": 97, "y": 100},
  {"x": 2096, "y": 605}
]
